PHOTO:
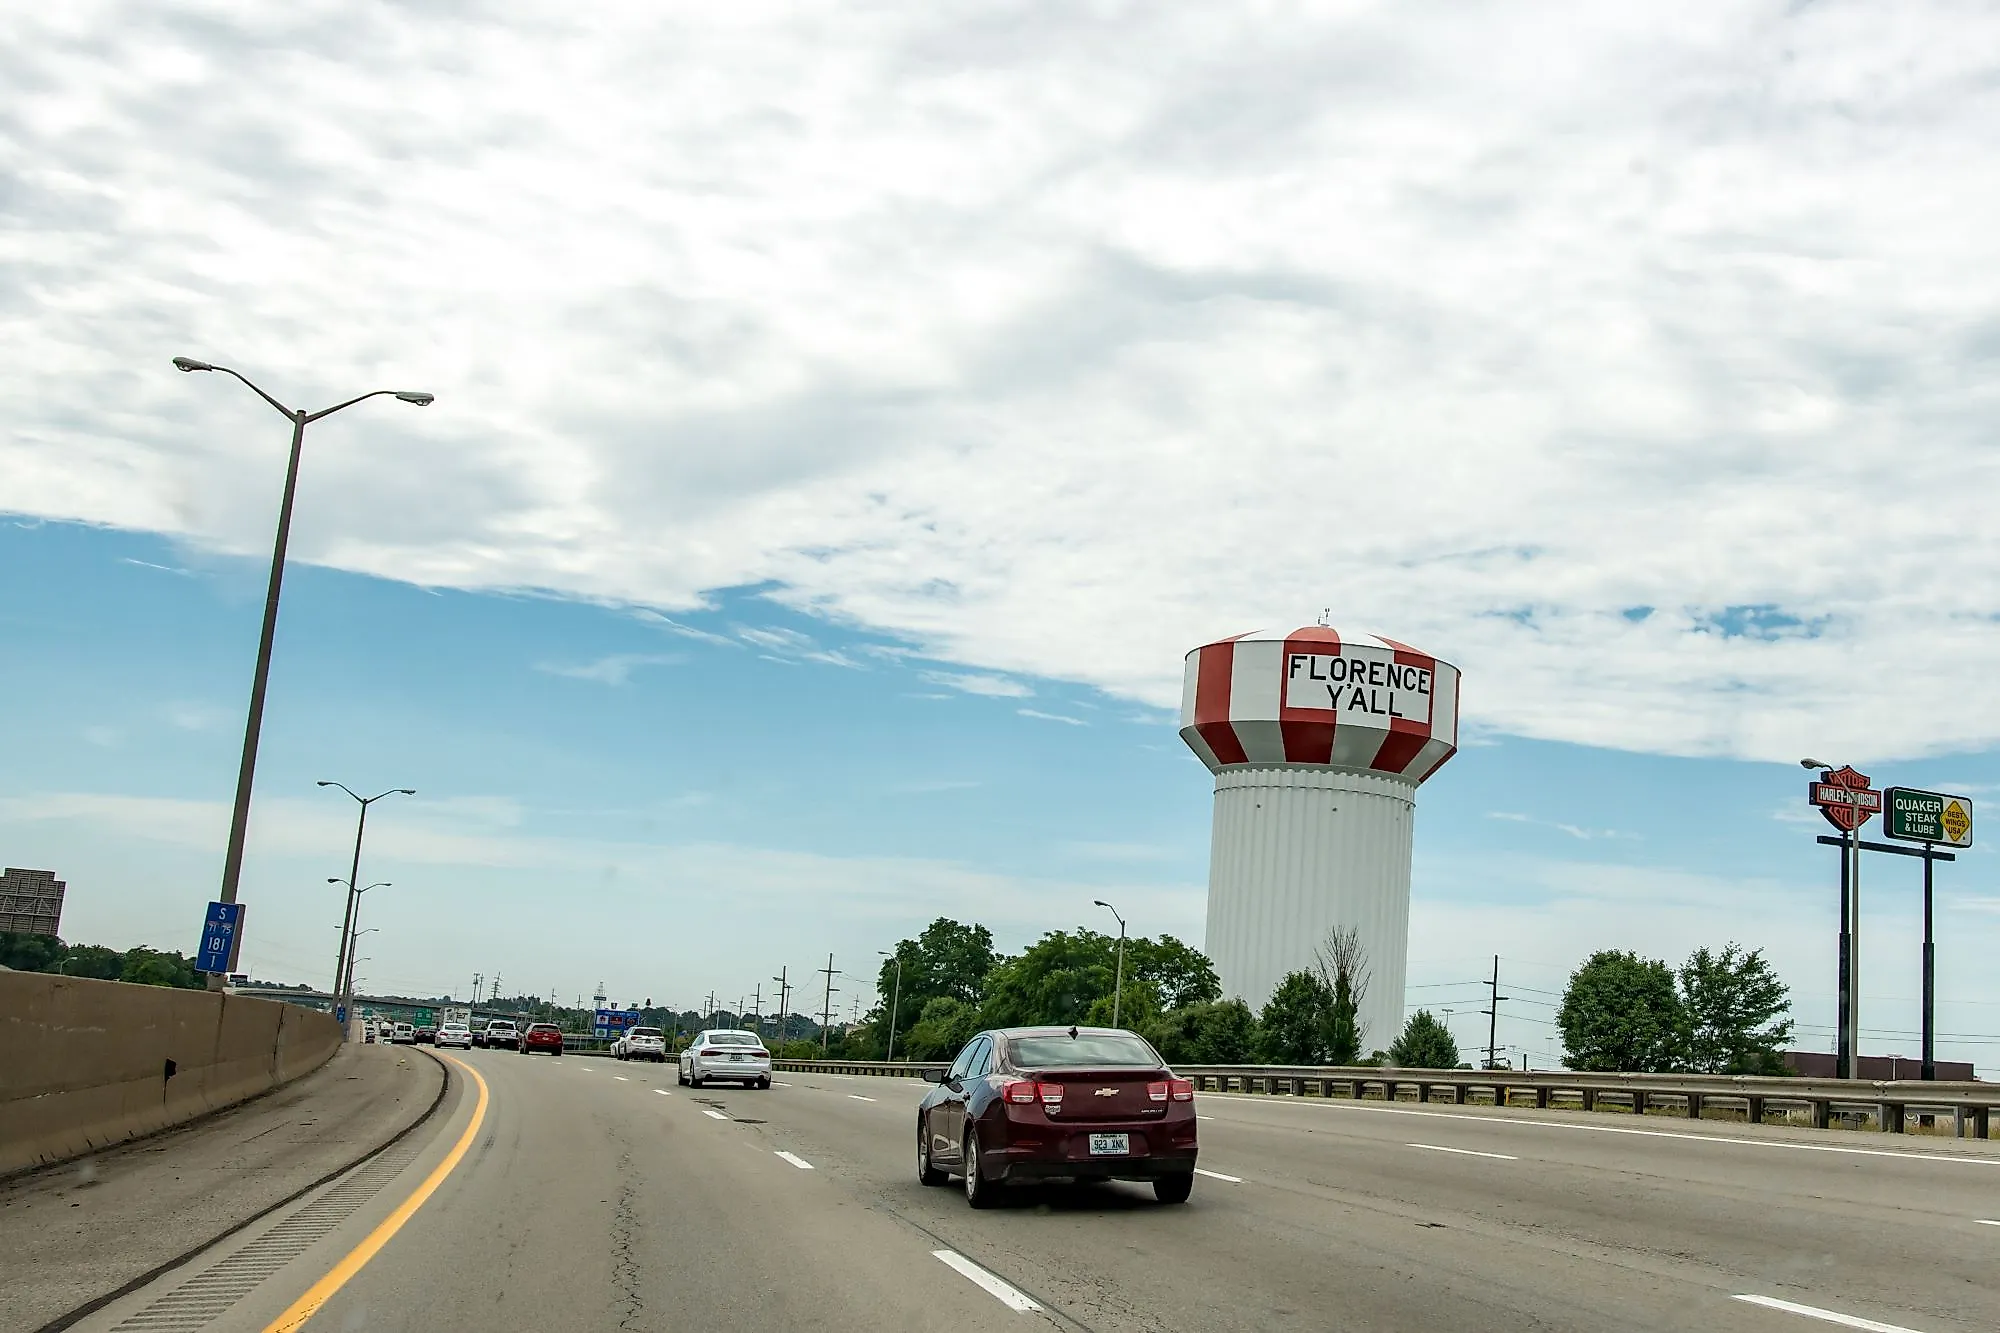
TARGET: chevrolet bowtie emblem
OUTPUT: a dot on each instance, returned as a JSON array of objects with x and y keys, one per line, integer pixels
[{"x": 1107, "y": 1092}]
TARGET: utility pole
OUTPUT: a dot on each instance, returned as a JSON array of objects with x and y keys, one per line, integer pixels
[
  {"x": 477, "y": 977},
  {"x": 826, "y": 1007},
  {"x": 895, "y": 999},
  {"x": 496, "y": 988},
  {"x": 759, "y": 999},
  {"x": 784, "y": 1000},
  {"x": 1493, "y": 1015}
]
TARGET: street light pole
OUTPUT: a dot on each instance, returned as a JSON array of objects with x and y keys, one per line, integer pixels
[
  {"x": 354, "y": 870},
  {"x": 1118, "y": 986},
  {"x": 246, "y": 769},
  {"x": 896, "y": 998}
]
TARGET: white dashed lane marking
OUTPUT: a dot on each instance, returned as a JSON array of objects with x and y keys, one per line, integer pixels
[
  {"x": 1463, "y": 1152},
  {"x": 621, "y": 1078},
  {"x": 1829, "y": 1316},
  {"x": 1006, "y": 1294},
  {"x": 663, "y": 1092},
  {"x": 855, "y": 1096},
  {"x": 799, "y": 1162},
  {"x": 713, "y": 1115},
  {"x": 1217, "y": 1175}
]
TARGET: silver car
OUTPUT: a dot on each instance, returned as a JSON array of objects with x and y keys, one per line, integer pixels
[
  {"x": 729, "y": 1055},
  {"x": 455, "y": 1034}
]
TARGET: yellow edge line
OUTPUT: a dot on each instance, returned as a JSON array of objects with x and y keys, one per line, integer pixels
[{"x": 308, "y": 1305}]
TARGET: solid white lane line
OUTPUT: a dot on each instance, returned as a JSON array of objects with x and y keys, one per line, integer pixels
[
  {"x": 1217, "y": 1175},
  {"x": 1336, "y": 1104},
  {"x": 1986, "y": 1222},
  {"x": 621, "y": 1078},
  {"x": 993, "y": 1286},
  {"x": 713, "y": 1115},
  {"x": 857, "y": 1097},
  {"x": 1462, "y": 1152},
  {"x": 663, "y": 1092},
  {"x": 1204, "y": 1117},
  {"x": 1830, "y": 1316},
  {"x": 799, "y": 1162},
  {"x": 776, "y": 1084}
]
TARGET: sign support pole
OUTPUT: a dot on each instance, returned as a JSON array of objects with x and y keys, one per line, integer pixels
[
  {"x": 1844, "y": 1041},
  {"x": 1930, "y": 977}
]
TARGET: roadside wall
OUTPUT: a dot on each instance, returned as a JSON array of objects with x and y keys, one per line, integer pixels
[{"x": 87, "y": 1064}]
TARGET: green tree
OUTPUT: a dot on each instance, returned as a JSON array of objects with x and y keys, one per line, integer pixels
[
  {"x": 154, "y": 967},
  {"x": 93, "y": 960},
  {"x": 1343, "y": 970},
  {"x": 1425, "y": 1044},
  {"x": 1297, "y": 1020},
  {"x": 1621, "y": 1013},
  {"x": 24, "y": 952},
  {"x": 946, "y": 1024},
  {"x": 1057, "y": 979},
  {"x": 1176, "y": 974},
  {"x": 947, "y": 959},
  {"x": 1737, "y": 1012},
  {"x": 1220, "y": 1032}
]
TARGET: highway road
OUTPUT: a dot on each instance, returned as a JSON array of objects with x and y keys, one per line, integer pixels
[{"x": 597, "y": 1195}]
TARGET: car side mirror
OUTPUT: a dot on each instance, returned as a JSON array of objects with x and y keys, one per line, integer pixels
[{"x": 934, "y": 1075}]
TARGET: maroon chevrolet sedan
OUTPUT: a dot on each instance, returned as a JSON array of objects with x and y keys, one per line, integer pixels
[{"x": 1072, "y": 1103}]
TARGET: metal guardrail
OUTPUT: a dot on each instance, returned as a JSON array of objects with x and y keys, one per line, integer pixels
[
  {"x": 1970, "y": 1105},
  {"x": 882, "y": 1068}
]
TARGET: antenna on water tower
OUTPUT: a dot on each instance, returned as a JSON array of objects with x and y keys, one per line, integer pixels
[{"x": 1326, "y": 617}]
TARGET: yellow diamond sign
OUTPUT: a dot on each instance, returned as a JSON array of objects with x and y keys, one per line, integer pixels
[{"x": 1957, "y": 821}]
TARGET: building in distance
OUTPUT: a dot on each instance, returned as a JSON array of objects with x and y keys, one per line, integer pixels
[{"x": 31, "y": 902}]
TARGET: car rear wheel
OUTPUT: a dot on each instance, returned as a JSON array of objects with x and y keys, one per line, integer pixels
[
  {"x": 1173, "y": 1189},
  {"x": 926, "y": 1173},
  {"x": 979, "y": 1191}
]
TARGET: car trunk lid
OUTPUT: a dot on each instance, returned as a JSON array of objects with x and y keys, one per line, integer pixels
[{"x": 1094, "y": 1095}]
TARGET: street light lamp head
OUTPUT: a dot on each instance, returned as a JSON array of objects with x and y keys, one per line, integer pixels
[
  {"x": 420, "y": 399},
  {"x": 1101, "y": 903},
  {"x": 187, "y": 363},
  {"x": 1813, "y": 763},
  {"x": 407, "y": 791}
]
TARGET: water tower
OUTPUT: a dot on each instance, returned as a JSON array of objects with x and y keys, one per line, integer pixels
[{"x": 1318, "y": 744}]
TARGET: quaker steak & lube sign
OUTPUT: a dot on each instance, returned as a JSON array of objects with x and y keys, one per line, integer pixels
[{"x": 1928, "y": 816}]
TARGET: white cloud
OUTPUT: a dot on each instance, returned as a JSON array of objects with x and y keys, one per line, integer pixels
[
  {"x": 983, "y": 683},
  {"x": 615, "y": 669},
  {"x": 102, "y": 736},
  {"x": 1051, "y": 717},
  {"x": 1576, "y": 831},
  {"x": 673, "y": 626},
  {"x": 1649, "y": 379},
  {"x": 192, "y": 716}
]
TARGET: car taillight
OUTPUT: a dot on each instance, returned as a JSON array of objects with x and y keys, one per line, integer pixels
[
  {"x": 1156, "y": 1091},
  {"x": 1051, "y": 1095},
  {"x": 710, "y": 1050},
  {"x": 1182, "y": 1090},
  {"x": 1018, "y": 1092}
]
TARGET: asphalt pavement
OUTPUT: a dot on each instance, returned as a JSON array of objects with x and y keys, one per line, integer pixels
[{"x": 594, "y": 1194}]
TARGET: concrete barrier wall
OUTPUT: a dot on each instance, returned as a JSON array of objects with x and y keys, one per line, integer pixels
[{"x": 88, "y": 1064}]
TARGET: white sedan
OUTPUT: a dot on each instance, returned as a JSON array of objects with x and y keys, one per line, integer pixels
[
  {"x": 455, "y": 1034},
  {"x": 641, "y": 1044},
  {"x": 726, "y": 1054}
]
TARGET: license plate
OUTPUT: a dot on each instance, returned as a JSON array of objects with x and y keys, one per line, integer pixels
[
  {"x": 739, "y": 1059},
  {"x": 1110, "y": 1145}
]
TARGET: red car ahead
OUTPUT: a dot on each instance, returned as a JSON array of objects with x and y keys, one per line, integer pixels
[
  {"x": 541, "y": 1037},
  {"x": 1057, "y": 1103}
]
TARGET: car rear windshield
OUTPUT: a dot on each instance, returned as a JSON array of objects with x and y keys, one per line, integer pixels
[
  {"x": 545, "y": 1027},
  {"x": 1086, "y": 1050},
  {"x": 491, "y": 1026},
  {"x": 734, "y": 1039},
  {"x": 645, "y": 1032}
]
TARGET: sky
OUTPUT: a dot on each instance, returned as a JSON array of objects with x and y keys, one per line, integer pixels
[{"x": 846, "y": 422}]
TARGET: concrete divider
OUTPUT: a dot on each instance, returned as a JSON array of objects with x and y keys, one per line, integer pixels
[{"x": 87, "y": 1064}]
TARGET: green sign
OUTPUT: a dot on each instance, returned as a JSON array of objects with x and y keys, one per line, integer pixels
[
  {"x": 1927, "y": 816},
  {"x": 424, "y": 1018}
]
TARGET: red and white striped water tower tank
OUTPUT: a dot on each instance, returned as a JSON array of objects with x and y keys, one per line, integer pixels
[{"x": 1318, "y": 743}]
